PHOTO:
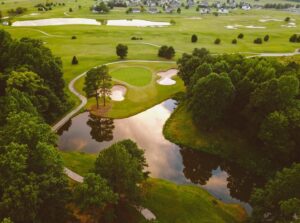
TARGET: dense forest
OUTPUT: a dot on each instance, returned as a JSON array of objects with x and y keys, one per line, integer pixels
[
  {"x": 260, "y": 98},
  {"x": 29, "y": 73}
]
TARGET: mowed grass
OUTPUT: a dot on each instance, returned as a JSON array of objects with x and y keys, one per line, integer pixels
[
  {"x": 138, "y": 99},
  {"x": 136, "y": 76},
  {"x": 172, "y": 203},
  {"x": 225, "y": 142}
]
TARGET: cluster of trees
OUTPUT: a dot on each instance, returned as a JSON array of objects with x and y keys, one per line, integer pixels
[
  {"x": 260, "y": 98},
  {"x": 17, "y": 11},
  {"x": 48, "y": 6},
  {"x": 259, "y": 40},
  {"x": 33, "y": 186},
  {"x": 101, "y": 8},
  {"x": 167, "y": 52},
  {"x": 118, "y": 172},
  {"x": 295, "y": 38},
  {"x": 98, "y": 83},
  {"x": 29, "y": 73},
  {"x": 280, "y": 6}
]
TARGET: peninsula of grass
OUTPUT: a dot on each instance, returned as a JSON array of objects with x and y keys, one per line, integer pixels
[
  {"x": 137, "y": 99},
  {"x": 171, "y": 203},
  {"x": 224, "y": 142},
  {"x": 135, "y": 76}
]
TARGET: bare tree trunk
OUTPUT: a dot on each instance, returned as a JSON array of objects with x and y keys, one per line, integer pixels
[
  {"x": 104, "y": 99},
  {"x": 97, "y": 100}
]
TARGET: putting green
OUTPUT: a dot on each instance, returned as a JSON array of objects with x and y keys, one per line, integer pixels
[{"x": 136, "y": 76}]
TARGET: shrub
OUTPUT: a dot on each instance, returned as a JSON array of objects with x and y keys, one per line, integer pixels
[
  {"x": 217, "y": 41},
  {"x": 166, "y": 52},
  {"x": 258, "y": 41},
  {"x": 215, "y": 13},
  {"x": 70, "y": 10},
  {"x": 234, "y": 41},
  {"x": 293, "y": 38},
  {"x": 74, "y": 37},
  {"x": 179, "y": 10},
  {"x": 194, "y": 38},
  {"x": 74, "y": 60},
  {"x": 287, "y": 19},
  {"x": 241, "y": 36},
  {"x": 266, "y": 38},
  {"x": 172, "y": 22}
]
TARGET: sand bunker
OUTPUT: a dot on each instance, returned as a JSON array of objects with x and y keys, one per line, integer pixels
[
  {"x": 136, "y": 22},
  {"x": 166, "y": 77},
  {"x": 290, "y": 25},
  {"x": 118, "y": 93},
  {"x": 242, "y": 26},
  {"x": 34, "y": 14},
  {"x": 271, "y": 20},
  {"x": 57, "y": 22}
]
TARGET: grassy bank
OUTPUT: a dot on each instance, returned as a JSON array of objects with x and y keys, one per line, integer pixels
[
  {"x": 227, "y": 143},
  {"x": 172, "y": 203},
  {"x": 168, "y": 201}
]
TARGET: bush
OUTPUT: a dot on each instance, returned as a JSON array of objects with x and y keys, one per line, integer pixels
[
  {"x": 241, "y": 36},
  {"x": 74, "y": 37},
  {"x": 179, "y": 10},
  {"x": 166, "y": 52},
  {"x": 234, "y": 41},
  {"x": 70, "y": 10},
  {"x": 172, "y": 22},
  {"x": 194, "y": 38},
  {"x": 258, "y": 41},
  {"x": 215, "y": 13},
  {"x": 293, "y": 38},
  {"x": 287, "y": 19},
  {"x": 122, "y": 50},
  {"x": 217, "y": 41},
  {"x": 74, "y": 60},
  {"x": 266, "y": 38}
]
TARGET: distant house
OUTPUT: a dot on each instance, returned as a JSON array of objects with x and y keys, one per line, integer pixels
[
  {"x": 190, "y": 3},
  {"x": 223, "y": 11},
  {"x": 136, "y": 10},
  {"x": 246, "y": 7},
  {"x": 5, "y": 23},
  {"x": 203, "y": 4},
  {"x": 153, "y": 10},
  {"x": 218, "y": 5},
  {"x": 204, "y": 11}
]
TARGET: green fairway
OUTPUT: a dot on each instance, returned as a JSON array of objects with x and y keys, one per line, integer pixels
[
  {"x": 136, "y": 76},
  {"x": 172, "y": 203}
]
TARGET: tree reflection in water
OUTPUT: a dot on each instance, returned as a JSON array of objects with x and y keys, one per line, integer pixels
[
  {"x": 198, "y": 167},
  {"x": 101, "y": 128}
]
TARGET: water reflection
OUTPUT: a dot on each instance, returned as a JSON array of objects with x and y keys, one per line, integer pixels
[{"x": 166, "y": 160}]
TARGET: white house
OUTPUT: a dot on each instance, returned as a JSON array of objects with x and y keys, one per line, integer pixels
[
  {"x": 204, "y": 11},
  {"x": 246, "y": 7},
  {"x": 223, "y": 11}
]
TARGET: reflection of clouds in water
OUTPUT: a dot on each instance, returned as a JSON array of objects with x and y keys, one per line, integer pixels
[{"x": 146, "y": 130}]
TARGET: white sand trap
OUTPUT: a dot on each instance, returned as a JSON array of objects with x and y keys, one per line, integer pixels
[
  {"x": 194, "y": 18},
  {"x": 136, "y": 22},
  {"x": 57, "y": 22},
  {"x": 271, "y": 20},
  {"x": 148, "y": 215},
  {"x": 241, "y": 26},
  {"x": 34, "y": 14},
  {"x": 118, "y": 93},
  {"x": 290, "y": 25},
  {"x": 166, "y": 77}
]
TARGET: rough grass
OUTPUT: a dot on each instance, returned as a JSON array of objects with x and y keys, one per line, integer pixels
[
  {"x": 172, "y": 203},
  {"x": 136, "y": 76}
]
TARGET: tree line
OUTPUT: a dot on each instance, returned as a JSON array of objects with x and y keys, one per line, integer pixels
[{"x": 260, "y": 98}]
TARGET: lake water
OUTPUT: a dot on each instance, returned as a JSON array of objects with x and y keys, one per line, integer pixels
[
  {"x": 84, "y": 21},
  {"x": 224, "y": 180}
]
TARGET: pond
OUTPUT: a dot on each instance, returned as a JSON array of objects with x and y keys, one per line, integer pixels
[
  {"x": 84, "y": 21},
  {"x": 57, "y": 22},
  {"x": 226, "y": 181}
]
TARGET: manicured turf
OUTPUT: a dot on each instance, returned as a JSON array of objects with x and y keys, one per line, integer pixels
[
  {"x": 136, "y": 76},
  {"x": 173, "y": 203},
  {"x": 224, "y": 142}
]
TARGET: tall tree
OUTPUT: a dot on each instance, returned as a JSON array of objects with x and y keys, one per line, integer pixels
[
  {"x": 93, "y": 195},
  {"x": 122, "y": 50},
  {"x": 98, "y": 82}
]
